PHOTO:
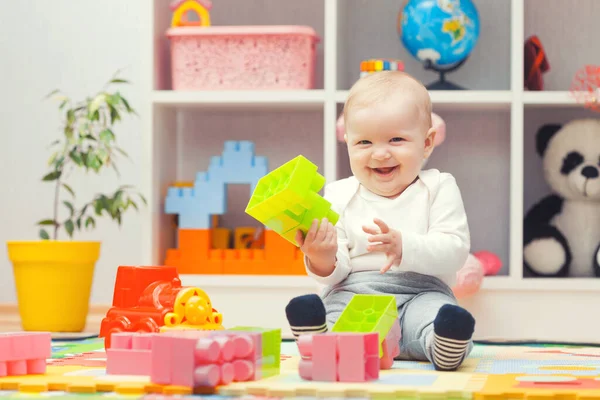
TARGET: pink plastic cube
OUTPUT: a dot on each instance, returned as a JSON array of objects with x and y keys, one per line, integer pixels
[
  {"x": 343, "y": 357},
  {"x": 391, "y": 346},
  {"x": 129, "y": 354},
  {"x": 24, "y": 353}
]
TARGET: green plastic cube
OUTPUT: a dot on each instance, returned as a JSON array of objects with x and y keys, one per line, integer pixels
[
  {"x": 271, "y": 349},
  {"x": 287, "y": 200},
  {"x": 367, "y": 313}
]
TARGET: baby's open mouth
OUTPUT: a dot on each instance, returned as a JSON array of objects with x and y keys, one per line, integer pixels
[{"x": 385, "y": 170}]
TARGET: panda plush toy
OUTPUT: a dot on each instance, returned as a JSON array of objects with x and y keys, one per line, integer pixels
[{"x": 562, "y": 231}]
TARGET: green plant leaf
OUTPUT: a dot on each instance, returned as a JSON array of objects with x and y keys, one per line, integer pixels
[
  {"x": 53, "y": 158},
  {"x": 114, "y": 115},
  {"x": 76, "y": 157},
  {"x": 90, "y": 221},
  {"x": 69, "y": 133},
  {"x": 132, "y": 204},
  {"x": 47, "y": 222},
  {"x": 121, "y": 151},
  {"x": 95, "y": 105},
  {"x": 118, "y": 80},
  {"x": 69, "y": 205},
  {"x": 69, "y": 227},
  {"x": 52, "y": 176},
  {"x": 68, "y": 189},
  {"x": 106, "y": 136},
  {"x": 78, "y": 223},
  {"x": 44, "y": 235},
  {"x": 93, "y": 162},
  {"x": 127, "y": 106},
  {"x": 52, "y": 93}
]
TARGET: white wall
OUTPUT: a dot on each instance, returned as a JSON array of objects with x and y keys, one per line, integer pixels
[{"x": 75, "y": 46}]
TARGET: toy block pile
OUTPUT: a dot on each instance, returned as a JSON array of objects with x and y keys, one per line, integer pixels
[
  {"x": 196, "y": 206},
  {"x": 24, "y": 353},
  {"x": 367, "y": 313},
  {"x": 194, "y": 358},
  {"x": 364, "y": 340},
  {"x": 341, "y": 357}
]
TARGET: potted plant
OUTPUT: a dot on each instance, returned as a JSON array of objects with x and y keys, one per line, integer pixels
[{"x": 54, "y": 275}]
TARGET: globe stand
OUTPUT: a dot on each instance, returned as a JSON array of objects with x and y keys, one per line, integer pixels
[{"x": 442, "y": 83}]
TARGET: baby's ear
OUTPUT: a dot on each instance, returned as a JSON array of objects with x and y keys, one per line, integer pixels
[
  {"x": 429, "y": 141},
  {"x": 346, "y": 138}
]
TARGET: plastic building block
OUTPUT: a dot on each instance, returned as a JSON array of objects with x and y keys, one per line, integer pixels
[
  {"x": 181, "y": 8},
  {"x": 287, "y": 200},
  {"x": 147, "y": 296},
  {"x": 196, "y": 205},
  {"x": 24, "y": 353},
  {"x": 271, "y": 349},
  {"x": 343, "y": 357},
  {"x": 195, "y": 256},
  {"x": 197, "y": 359},
  {"x": 390, "y": 347},
  {"x": 193, "y": 310},
  {"x": 367, "y": 313},
  {"x": 129, "y": 354}
]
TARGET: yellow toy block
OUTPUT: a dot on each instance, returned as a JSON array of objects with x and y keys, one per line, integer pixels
[{"x": 287, "y": 200}]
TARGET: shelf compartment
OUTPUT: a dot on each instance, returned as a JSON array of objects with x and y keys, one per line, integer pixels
[
  {"x": 198, "y": 135},
  {"x": 240, "y": 13},
  {"x": 568, "y": 32},
  {"x": 535, "y": 186},
  {"x": 488, "y": 67}
]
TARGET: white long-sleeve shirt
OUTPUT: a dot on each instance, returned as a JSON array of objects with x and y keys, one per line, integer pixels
[{"x": 429, "y": 214}]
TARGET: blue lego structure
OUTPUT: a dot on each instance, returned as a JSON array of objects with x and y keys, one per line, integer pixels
[{"x": 196, "y": 205}]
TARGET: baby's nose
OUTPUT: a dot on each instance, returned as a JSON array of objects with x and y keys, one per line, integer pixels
[{"x": 381, "y": 154}]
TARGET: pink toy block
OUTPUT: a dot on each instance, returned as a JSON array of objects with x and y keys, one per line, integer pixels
[
  {"x": 203, "y": 359},
  {"x": 391, "y": 347},
  {"x": 130, "y": 353},
  {"x": 343, "y": 357},
  {"x": 24, "y": 353}
]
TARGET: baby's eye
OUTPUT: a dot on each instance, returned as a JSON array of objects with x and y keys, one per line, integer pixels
[
  {"x": 363, "y": 142},
  {"x": 397, "y": 139}
]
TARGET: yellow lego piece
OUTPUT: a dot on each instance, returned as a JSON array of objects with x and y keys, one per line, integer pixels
[{"x": 287, "y": 200}]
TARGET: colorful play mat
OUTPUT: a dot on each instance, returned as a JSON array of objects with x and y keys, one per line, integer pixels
[{"x": 77, "y": 369}]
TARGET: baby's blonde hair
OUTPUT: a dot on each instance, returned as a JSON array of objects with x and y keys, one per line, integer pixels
[{"x": 379, "y": 86}]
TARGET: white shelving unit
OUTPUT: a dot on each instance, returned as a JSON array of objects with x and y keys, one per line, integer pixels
[{"x": 489, "y": 146}]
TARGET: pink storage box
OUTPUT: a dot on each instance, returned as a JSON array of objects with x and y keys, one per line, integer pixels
[{"x": 243, "y": 57}]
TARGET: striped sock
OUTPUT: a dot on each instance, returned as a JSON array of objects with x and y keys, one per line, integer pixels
[
  {"x": 306, "y": 315},
  {"x": 453, "y": 328}
]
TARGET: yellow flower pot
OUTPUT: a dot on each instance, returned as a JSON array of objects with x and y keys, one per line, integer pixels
[{"x": 53, "y": 281}]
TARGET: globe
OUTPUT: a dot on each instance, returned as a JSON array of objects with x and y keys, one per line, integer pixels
[{"x": 439, "y": 33}]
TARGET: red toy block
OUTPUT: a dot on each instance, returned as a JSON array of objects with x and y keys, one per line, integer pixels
[
  {"x": 130, "y": 354},
  {"x": 24, "y": 353},
  {"x": 203, "y": 359},
  {"x": 343, "y": 357},
  {"x": 391, "y": 347}
]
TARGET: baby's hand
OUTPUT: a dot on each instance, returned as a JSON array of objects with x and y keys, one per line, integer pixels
[
  {"x": 389, "y": 241},
  {"x": 320, "y": 244}
]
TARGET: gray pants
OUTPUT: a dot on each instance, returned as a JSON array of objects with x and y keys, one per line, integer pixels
[{"x": 418, "y": 298}]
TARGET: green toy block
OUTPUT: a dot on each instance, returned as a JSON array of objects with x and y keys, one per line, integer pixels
[
  {"x": 271, "y": 349},
  {"x": 367, "y": 313},
  {"x": 287, "y": 200}
]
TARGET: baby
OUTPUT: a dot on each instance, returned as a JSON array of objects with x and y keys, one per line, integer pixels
[{"x": 402, "y": 230}]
